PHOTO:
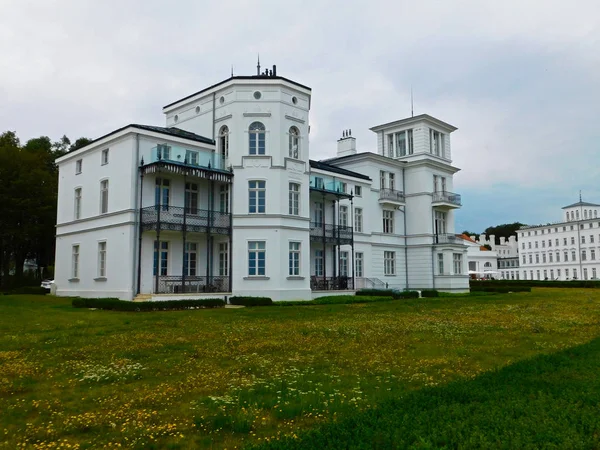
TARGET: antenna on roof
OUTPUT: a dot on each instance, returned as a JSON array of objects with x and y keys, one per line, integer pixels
[
  {"x": 412, "y": 105},
  {"x": 580, "y": 195},
  {"x": 258, "y": 64},
  {"x": 232, "y": 70}
]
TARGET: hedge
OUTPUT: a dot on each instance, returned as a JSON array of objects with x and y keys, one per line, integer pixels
[
  {"x": 429, "y": 293},
  {"x": 250, "y": 301},
  {"x": 536, "y": 283},
  {"x": 114, "y": 304},
  {"x": 501, "y": 289},
  {"x": 28, "y": 290},
  {"x": 387, "y": 293}
]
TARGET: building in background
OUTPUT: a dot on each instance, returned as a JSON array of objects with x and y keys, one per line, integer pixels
[
  {"x": 565, "y": 250},
  {"x": 508, "y": 255},
  {"x": 225, "y": 200},
  {"x": 482, "y": 261}
]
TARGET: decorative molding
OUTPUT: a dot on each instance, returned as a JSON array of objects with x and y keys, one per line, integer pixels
[
  {"x": 295, "y": 278},
  {"x": 257, "y": 278},
  {"x": 219, "y": 119},
  {"x": 73, "y": 280},
  {"x": 257, "y": 114},
  {"x": 295, "y": 119},
  {"x": 100, "y": 279}
]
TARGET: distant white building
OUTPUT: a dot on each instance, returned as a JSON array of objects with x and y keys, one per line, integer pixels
[
  {"x": 482, "y": 262},
  {"x": 508, "y": 255},
  {"x": 564, "y": 250},
  {"x": 224, "y": 200}
]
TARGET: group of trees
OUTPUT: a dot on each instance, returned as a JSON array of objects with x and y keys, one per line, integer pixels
[
  {"x": 505, "y": 230},
  {"x": 28, "y": 195}
]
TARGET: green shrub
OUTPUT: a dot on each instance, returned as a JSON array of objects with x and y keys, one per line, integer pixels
[
  {"x": 114, "y": 304},
  {"x": 250, "y": 301},
  {"x": 376, "y": 292},
  {"x": 336, "y": 300},
  {"x": 429, "y": 293},
  {"x": 477, "y": 284},
  {"x": 406, "y": 294},
  {"x": 28, "y": 290}
]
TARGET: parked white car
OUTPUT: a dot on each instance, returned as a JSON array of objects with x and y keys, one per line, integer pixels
[{"x": 47, "y": 284}]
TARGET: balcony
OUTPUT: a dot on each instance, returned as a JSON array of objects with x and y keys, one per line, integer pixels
[
  {"x": 447, "y": 200},
  {"x": 330, "y": 234},
  {"x": 195, "y": 162},
  {"x": 391, "y": 197},
  {"x": 171, "y": 218},
  {"x": 341, "y": 283},
  {"x": 176, "y": 284},
  {"x": 447, "y": 239},
  {"x": 328, "y": 185}
]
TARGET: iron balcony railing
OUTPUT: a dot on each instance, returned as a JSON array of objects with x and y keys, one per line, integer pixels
[
  {"x": 177, "y": 284},
  {"x": 340, "y": 283},
  {"x": 447, "y": 239},
  {"x": 196, "y": 220},
  {"x": 447, "y": 197},
  {"x": 330, "y": 233},
  {"x": 392, "y": 195}
]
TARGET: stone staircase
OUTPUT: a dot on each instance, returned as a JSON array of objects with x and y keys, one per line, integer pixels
[{"x": 143, "y": 298}]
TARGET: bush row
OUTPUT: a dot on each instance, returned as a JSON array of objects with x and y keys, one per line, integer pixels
[
  {"x": 250, "y": 301},
  {"x": 537, "y": 283},
  {"x": 26, "y": 290},
  {"x": 501, "y": 289},
  {"x": 337, "y": 300},
  {"x": 395, "y": 293},
  {"x": 114, "y": 304}
]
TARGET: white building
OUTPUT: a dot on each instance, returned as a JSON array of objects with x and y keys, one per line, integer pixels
[
  {"x": 565, "y": 250},
  {"x": 224, "y": 200},
  {"x": 482, "y": 262},
  {"x": 508, "y": 255}
]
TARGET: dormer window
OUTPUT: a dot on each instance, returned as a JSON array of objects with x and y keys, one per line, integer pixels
[
  {"x": 400, "y": 144},
  {"x": 436, "y": 143}
]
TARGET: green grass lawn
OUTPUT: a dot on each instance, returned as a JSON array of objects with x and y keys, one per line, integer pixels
[{"x": 227, "y": 378}]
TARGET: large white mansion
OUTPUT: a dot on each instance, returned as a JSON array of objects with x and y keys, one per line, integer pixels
[
  {"x": 566, "y": 250},
  {"x": 224, "y": 200}
]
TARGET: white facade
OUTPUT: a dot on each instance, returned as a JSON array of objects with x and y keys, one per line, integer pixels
[
  {"x": 565, "y": 250},
  {"x": 508, "y": 255},
  {"x": 482, "y": 262},
  {"x": 229, "y": 179}
]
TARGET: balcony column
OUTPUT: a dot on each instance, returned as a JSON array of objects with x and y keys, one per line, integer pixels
[
  {"x": 208, "y": 227},
  {"x": 184, "y": 232},
  {"x": 230, "y": 246},
  {"x": 140, "y": 230},
  {"x": 157, "y": 250},
  {"x": 352, "y": 235},
  {"x": 324, "y": 245},
  {"x": 335, "y": 240}
]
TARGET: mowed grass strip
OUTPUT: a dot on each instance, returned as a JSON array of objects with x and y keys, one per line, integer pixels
[
  {"x": 228, "y": 377},
  {"x": 550, "y": 401}
]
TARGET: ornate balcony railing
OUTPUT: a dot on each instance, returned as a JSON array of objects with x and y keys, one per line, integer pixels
[
  {"x": 447, "y": 197},
  {"x": 391, "y": 195},
  {"x": 331, "y": 234},
  {"x": 176, "y": 284},
  {"x": 196, "y": 220},
  {"x": 341, "y": 283},
  {"x": 447, "y": 239}
]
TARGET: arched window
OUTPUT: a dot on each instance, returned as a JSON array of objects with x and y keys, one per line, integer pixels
[
  {"x": 256, "y": 141},
  {"x": 577, "y": 214},
  {"x": 294, "y": 143},
  {"x": 488, "y": 265},
  {"x": 224, "y": 145},
  {"x": 585, "y": 213}
]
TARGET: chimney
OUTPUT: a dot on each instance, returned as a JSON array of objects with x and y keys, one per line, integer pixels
[
  {"x": 502, "y": 240},
  {"x": 346, "y": 144}
]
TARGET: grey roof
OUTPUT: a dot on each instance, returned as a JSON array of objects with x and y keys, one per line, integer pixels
[
  {"x": 580, "y": 203},
  {"x": 330, "y": 168},
  {"x": 414, "y": 119}
]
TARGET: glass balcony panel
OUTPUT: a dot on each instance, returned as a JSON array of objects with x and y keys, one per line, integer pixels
[{"x": 188, "y": 156}]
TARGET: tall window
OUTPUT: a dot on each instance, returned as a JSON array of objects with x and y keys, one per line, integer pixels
[
  {"x": 256, "y": 197},
  {"x": 191, "y": 198},
  {"x": 573, "y": 255},
  {"x": 343, "y": 216},
  {"x": 583, "y": 255},
  {"x": 344, "y": 264},
  {"x": 318, "y": 214},
  {"x": 391, "y": 181},
  {"x": 574, "y": 274},
  {"x": 78, "y": 166},
  {"x": 440, "y": 264},
  {"x": 75, "y": 262},
  {"x": 594, "y": 270},
  {"x": 404, "y": 143},
  {"x": 294, "y": 259},
  {"x": 161, "y": 257},
  {"x": 583, "y": 239},
  {"x": 190, "y": 260},
  {"x": 224, "y": 198},
  {"x": 163, "y": 151},
  {"x": 103, "y": 196},
  {"x": 390, "y": 146},
  {"x": 319, "y": 263},
  {"x": 436, "y": 142},
  {"x": 381, "y": 179},
  {"x": 102, "y": 259},
  {"x": 358, "y": 191},
  {"x": 223, "y": 259},
  {"x": 458, "y": 268},
  {"x": 104, "y": 157},
  {"x": 224, "y": 143},
  {"x": 78, "y": 203},
  {"x": 162, "y": 193},
  {"x": 388, "y": 221},
  {"x": 358, "y": 264},
  {"x": 256, "y": 142},
  {"x": 358, "y": 220},
  {"x": 440, "y": 222},
  {"x": 294, "y": 145},
  {"x": 191, "y": 157},
  {"x": 256, "y": 258},
  {"x": 294, "y": 199},
  {"x": 592, "y": 254},
  {"x": 389, "y": 263}
]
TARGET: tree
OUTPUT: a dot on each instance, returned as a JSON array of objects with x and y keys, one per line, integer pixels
[
  {"x": 79, "y": 143},
  {"x": 505, "y": 230}
]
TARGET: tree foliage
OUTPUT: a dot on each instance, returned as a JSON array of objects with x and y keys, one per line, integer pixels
[
  {"x": 505, "y": 230},
  {"x": 28, "y": 189}
]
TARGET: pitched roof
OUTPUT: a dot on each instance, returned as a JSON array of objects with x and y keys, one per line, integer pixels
[
  {"x": 580, "y": 203},
  {"x": 330, "y": 168}
]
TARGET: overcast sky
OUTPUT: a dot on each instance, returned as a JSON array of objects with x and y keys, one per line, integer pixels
[{"x": 520, "y": 79}]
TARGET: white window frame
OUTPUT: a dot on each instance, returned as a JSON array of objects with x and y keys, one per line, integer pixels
[
  {"x": 223, "y": 259},
  {"x": 440, "y": 261},
  {"x": 104, "y": 157},
  {"x": 343, "y": 219},
  {"x": 359, "y": 264},
  {"x": 104, "y": 186},
  {"x": 224, "y": 198},
  {"x": 389, "y": 263},
  {"x": 343, "y": 264},
  {"x": 255, "y": 250},
  {"x": 255, "y": 186},
  {"x": 294, "y": 199},
  {"x": 191, "y": 198},
  {"x": 358, "y": 220},
  {"x": 78, "y": 166},
  {"x": 158, "y": 267},
  {"x": 457, "y": 263},
  {"x": 388, "y": 221},
  {"x": 319, "y": 263},
  {"x": 436, "y": 142},
  {"x": 191, "y": 249},
  {"x": 294, "y": 143},
  {"x": 294, "y": 259},
  {"x": 257, "y": 132},
  {"x": 77, "y": 206},
  {"x": 75, "y": 249},
  {"x": 102, "y": 259},
  {"x": 358, "y": 191}
]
